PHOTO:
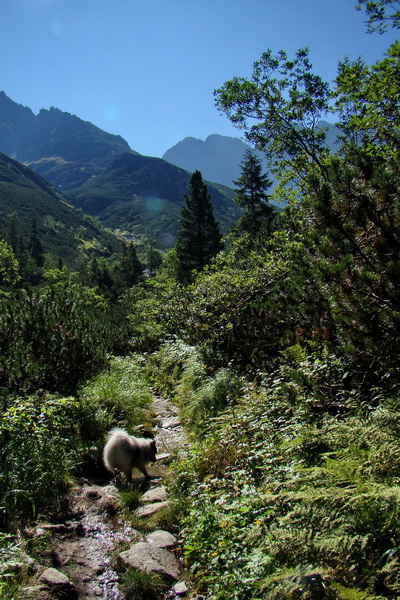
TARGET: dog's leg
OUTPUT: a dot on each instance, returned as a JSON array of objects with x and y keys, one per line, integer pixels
[{"x": 143, "y": 469}]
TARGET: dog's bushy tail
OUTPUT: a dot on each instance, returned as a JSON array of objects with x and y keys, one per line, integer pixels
[{"x": 114, "y": 437}]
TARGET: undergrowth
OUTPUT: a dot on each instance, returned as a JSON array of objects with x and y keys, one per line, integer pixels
[
  {"x": 139, "y": 585},
  {"x": 291, "y": 489},
  {"x": 117, "y": 397}
]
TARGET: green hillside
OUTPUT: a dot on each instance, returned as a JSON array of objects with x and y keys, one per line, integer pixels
[
  {"x": 144, "y": 195},
  {"x": 65, "y": 232}
]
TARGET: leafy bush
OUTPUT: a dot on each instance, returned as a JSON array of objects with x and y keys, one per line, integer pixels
[
  {"x": 158, "y": 310},
  {"x": 39, "y": 447}
]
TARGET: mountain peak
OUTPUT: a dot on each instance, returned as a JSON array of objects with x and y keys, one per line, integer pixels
[
  {"x": 217, "y": 157},
  {"x": 60, "y": 146}
]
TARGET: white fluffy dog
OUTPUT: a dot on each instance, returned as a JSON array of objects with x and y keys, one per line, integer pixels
[{"x": 124, "y": 451}]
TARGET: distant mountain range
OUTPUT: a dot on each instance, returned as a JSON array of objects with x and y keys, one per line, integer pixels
[
  {"x": 64, "y": 149},
  {"x": 136, "y": 196},
  {"x": 218, "y": 157}
]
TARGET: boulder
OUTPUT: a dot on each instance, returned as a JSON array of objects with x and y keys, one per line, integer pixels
[
  {"x": 151, "y": 559},
  {"x": 59, "y": 583},
  {"x": 158, "y": 494}
]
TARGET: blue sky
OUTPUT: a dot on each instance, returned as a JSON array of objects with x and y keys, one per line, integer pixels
[{"x": 146, "y": 70}]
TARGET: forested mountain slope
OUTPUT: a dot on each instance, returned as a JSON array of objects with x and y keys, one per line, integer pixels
[
  {"x": 144, "y": 195},
  {"x": 65, "y": 232}
]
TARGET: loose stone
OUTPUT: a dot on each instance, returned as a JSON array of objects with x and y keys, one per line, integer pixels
[{"x": 150, "y": 509}]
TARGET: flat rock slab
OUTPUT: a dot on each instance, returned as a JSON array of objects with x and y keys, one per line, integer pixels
[
  {"x": 54, "y": 577},
  {"x": 150, "y": 509},
  {"x": 158, "y": 494},
  {"x": 151, "y": 559},
  {"x": 162, "y": 539},
  {"x": 164, "y": 408},
  {"x": 163, "y": 456}
]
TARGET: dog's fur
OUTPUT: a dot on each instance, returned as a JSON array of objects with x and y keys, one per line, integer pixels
[{"x": 124, "y": 451}]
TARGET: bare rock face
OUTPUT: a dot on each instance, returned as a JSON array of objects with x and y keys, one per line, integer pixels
[{"x": 151, "y": 559}]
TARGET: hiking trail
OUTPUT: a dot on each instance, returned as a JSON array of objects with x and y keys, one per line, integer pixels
[{"x": 84, "y": 541}]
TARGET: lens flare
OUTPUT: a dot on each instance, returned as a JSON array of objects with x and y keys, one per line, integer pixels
[
  {"x": 153, "y": 204},
  {"x": 55, "y": 25},
  {"x": 111, "y": 112},
  {"x": 167, "y": 239}
]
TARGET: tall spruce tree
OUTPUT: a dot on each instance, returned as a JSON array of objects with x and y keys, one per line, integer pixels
[
  {"x": 251, "y": 194},
  {"x": 199, "y": 237}
]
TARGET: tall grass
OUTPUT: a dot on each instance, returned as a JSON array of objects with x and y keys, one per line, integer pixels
[
  {"x": 115, "y": 397},
  {"x": 39, "y": 447}
]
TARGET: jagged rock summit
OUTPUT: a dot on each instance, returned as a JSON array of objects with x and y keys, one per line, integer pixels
[
  {"x": 62, "y": 147},
  {"x": 134, "y": 195}
]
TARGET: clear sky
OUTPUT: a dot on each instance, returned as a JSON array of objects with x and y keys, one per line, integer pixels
[{"x": 146, "y": 70}]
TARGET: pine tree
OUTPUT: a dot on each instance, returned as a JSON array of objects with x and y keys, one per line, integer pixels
[
  {"x": 199, "y": 237},
  {"x": 251, "y": 194},
  {"x": 153, "y": 259}
]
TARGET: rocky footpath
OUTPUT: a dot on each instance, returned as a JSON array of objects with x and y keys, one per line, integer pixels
[{"x": 84, "y": 544}]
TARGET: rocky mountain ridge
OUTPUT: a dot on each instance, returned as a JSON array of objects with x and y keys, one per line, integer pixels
[{"x": 138, "y": 196}]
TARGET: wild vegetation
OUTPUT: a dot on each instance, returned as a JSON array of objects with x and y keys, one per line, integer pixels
[{"x": 281, "y": 352}]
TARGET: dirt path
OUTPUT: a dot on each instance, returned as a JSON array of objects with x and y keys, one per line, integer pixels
[{"x": 83, "y": 542}]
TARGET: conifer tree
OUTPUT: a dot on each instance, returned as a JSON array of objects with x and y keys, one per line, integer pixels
[
  {"x": 153, "y": 259},
  {"x": 131, "y": 268},
  {"x": 199, "y": 237},
  {"x": 13, "y": 235},
  {"x": 251, "y": 194},
  {"x": 36, "y": 249}
]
